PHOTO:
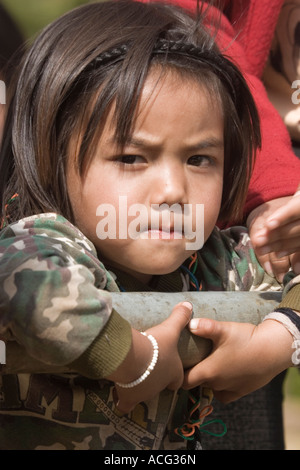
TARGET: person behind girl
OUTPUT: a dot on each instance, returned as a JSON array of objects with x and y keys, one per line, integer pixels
[
  {"x": 124, "y": 100},
  {"x": 272, "y": 209}
]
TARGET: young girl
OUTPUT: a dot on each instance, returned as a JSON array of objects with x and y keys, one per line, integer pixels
[{"x": 122, "y": 102}]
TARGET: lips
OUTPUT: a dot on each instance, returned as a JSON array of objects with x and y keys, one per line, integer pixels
[
  {"x": 161, "y": 225},
  {"x": 161, "y": 233}
]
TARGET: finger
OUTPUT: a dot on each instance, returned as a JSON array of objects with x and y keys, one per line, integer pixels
[
  {"x": 274, "y": 266},
  {"x": 226, "y": 396},
  {"x": 279, "y": 266},
  {"x": 199, "y": 375},
  {"x": 285, "y": 214},
  {"x": 118, "y": 409},
  {"x": 282, "y": 234},
  {"x": 282, "y": 247},
  {"x": 206, "y": 328},
  {"x": 265, "y": 262},
  {"x": 295, "y": 262},
  {"x": 180, "y": 316}
]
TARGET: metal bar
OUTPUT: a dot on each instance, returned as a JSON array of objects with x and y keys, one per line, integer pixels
[
  {"x": 146, "y": 309},
  {"x": 243, "y": 307}
]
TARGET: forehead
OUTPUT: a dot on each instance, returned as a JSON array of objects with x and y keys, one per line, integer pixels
[{"x": 170, "y": 98}]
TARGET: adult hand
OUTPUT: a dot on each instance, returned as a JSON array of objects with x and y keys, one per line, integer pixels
[{"x": 274, "y": 229}]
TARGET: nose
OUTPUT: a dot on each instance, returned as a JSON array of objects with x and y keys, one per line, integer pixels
[{"x": 169, "y": 184}]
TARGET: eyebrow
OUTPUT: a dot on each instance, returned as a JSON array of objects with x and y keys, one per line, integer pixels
[{"x": 211, "y": 142}]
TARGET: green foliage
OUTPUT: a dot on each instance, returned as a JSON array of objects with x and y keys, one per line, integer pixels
[
  {"x": 292, "y": 383},
  {"x": 32, "y": 15}
]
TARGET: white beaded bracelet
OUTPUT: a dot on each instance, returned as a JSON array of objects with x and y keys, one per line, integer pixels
[{"x": 149, "y": 368}]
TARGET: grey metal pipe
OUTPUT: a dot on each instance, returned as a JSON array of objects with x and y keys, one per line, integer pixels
[{"x": 146, "y": 309}]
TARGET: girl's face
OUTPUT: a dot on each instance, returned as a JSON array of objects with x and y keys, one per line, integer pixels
[{"x": 174, "y": 158}]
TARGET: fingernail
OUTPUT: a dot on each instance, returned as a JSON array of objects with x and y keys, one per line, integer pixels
[
  {"x": 273, "y": 223},
  {"x": 280, "y": 277},
  {"x": 193, "y": 324},
  {"x": 188, "y": 305},
  {"x": 268, "y": 268}
]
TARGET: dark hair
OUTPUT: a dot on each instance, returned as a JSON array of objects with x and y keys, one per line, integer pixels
[{"x": 94, "y": 56}]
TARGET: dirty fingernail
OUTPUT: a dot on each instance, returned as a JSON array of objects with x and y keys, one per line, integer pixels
[{"x": 188, "y": 305}]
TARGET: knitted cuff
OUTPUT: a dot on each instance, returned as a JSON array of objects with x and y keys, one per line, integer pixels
[
  {"x": 107, "y": 351},
  {"x": 292, "y": 299},
  {"x": 291, "y": 321}
]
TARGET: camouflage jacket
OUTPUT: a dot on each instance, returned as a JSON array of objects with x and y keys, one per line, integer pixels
[{"x": 54, "y": 303}]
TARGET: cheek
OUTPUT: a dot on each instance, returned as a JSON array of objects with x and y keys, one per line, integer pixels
[
  {"x": 82, "y": 198},
  {"x": 213, "y": 203},
  {"x": 211, "y": 198}
]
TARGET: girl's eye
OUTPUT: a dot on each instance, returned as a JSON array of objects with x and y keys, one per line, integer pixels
[
  {"x": 201, "y": 160},
  {"x": 130, "y": 159}
]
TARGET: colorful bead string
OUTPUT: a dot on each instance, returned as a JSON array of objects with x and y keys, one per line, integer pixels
[
  {"x": 191, "y": 270},
  {"x": 187, "y": 430},
  {"x": 12, "y": 199}
]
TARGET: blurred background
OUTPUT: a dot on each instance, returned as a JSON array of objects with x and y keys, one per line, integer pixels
[
  {"x": 30, "y": 17},
  {"x": 291, "y": 409}
]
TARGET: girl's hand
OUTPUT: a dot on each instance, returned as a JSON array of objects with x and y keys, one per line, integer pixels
[
  {"x": 244, "y": 358},
  {"x": 274, "y": 229},
  {"x": 168, "y": 372}
]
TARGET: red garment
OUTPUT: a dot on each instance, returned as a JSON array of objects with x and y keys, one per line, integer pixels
[
  {"x": 254, "y": 21},
  {"x": 246, "y": 32}
]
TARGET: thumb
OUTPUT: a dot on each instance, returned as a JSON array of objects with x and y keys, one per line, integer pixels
[
  {"x": 180, "y": 316},
  {"x": 206, "y": 328}
]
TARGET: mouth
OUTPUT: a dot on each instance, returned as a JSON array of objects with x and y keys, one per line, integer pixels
[{"x": 161, "y": 233}]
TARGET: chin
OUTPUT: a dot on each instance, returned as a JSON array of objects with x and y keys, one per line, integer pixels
[{"x": 161, "y": 268}]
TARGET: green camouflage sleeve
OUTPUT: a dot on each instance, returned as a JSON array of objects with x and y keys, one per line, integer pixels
[
  {"x": 235, "y": 267},
  {"x": 228, "y": 262},
  {"x": 54, "y": 298},
  {"x": 243, "y": 264}
]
